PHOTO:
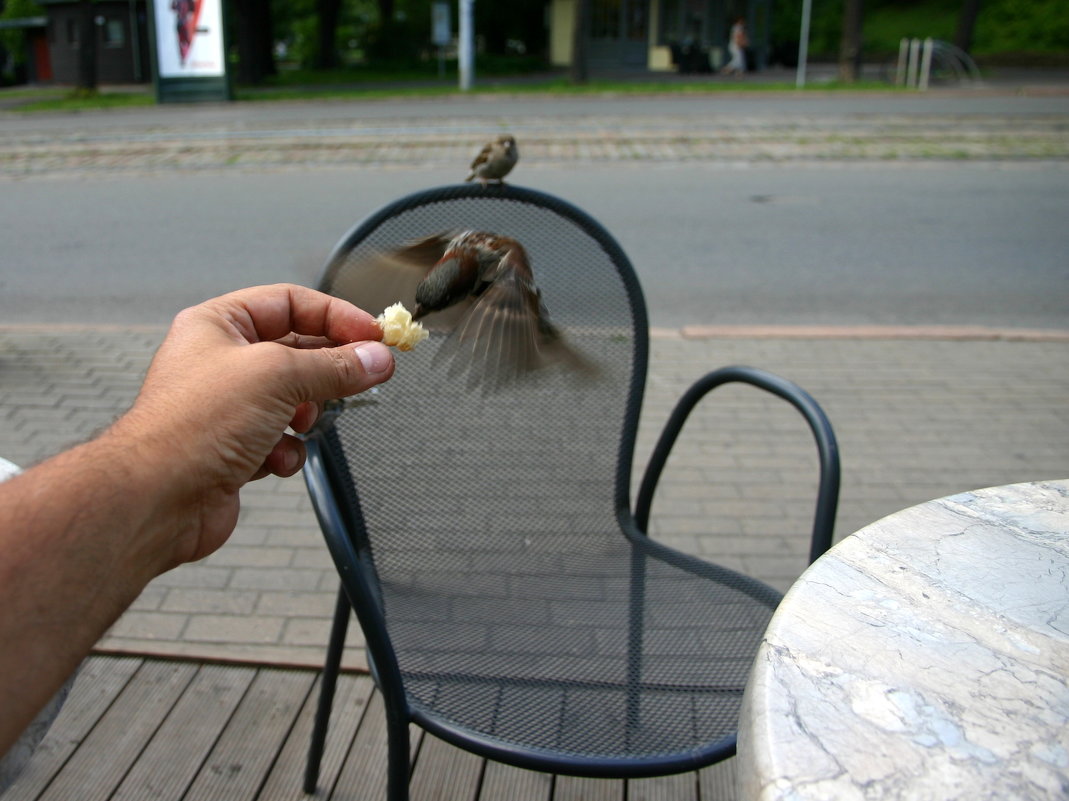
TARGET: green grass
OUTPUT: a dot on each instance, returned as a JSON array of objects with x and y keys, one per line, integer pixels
[
  {"x": 548, "y": 86},
  {"x": 313, "y": 86},
  {"x": 67, "y": 100}
]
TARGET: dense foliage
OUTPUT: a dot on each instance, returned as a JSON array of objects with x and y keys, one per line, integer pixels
[
  {"x": 398, "y": 32},
  {"x": 12, "y": 39},
  {"x": 1003, "y": 26}
]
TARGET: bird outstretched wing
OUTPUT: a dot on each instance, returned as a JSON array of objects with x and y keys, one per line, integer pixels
[
  {"x": 507, "y": 334},
  {"x": 379, "y": 279},
  {"x": 498, "y": 328},
  {"x": 496, "y": 341}
]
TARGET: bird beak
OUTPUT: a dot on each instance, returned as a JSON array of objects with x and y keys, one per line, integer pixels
[{"x": 418, "y": 311}]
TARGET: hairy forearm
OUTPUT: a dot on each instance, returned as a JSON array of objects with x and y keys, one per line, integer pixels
[
  {"x": 82, "y": 534},
  {"x": 79, "y": 542}
]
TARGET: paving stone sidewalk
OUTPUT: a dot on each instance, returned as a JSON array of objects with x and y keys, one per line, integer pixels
[
  {"x": 597, "y": 139},
  {"x": 917, "y": 418},
  {"x": 712, "y": 128}
]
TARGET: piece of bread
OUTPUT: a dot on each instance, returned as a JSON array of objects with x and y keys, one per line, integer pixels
[{"x": 398, "y": 328}]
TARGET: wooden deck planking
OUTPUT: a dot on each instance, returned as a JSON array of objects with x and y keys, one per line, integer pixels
[
  {"x": 172, "y": 759},
  {"x": 99, "y": 683},
  {"x": 248, "y": 746},
  {"x": 717, "y": 782},
  {"x": 504, "y": 781},
  {"x": 680, "y": 787},
  {"x": 351, "y": 698},
  {"x": 98, "y": 766},
  {"x": 363, "y": 774},
  {"x": 572, "y": 788},
  {"x": 142, "y": 729},
  {"x": 445, "y": 773}
]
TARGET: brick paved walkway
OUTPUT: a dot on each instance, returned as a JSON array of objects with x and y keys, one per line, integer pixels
[
  {"x": 919, "y": 414},
  {"x": 917, "y": 418},
  {"x": 298, "y": 135}
]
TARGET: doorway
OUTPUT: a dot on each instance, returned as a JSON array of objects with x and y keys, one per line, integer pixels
[{"x": 619, "y": 33}]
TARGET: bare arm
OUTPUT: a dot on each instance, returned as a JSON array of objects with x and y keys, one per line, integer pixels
[{"x": 84, "y": 532}]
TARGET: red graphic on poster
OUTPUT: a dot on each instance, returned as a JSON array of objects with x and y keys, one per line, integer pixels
[{"x": 185, "y": 16}]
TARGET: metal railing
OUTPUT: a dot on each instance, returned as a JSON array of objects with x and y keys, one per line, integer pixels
[{"x": 916, "y": 58}]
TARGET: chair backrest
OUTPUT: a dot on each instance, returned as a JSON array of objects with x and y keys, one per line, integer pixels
[{"x": 435, "y": 461}]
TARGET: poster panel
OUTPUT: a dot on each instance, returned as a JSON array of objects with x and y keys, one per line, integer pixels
[{"x": 189, "y": 38}]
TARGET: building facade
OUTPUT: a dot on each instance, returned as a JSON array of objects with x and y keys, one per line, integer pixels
[
  {"x": 121, "y": 30},
  {"x": 659, "y": 35}
]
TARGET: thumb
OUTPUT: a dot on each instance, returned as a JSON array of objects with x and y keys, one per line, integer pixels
[{"x": 324, "y": 373}]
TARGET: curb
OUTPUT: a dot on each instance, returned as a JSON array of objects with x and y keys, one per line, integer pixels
[
  {"x": 952, "y": 333},
  {"x": 864, "y": 332}
]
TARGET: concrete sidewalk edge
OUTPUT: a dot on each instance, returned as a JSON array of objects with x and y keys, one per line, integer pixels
[{"x": 954, "y": 333}]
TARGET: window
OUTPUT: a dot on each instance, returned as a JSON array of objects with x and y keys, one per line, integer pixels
[
  {"x": 605, "y": 19},
  {"x": 687, "y": 21},
  {"x": 619, "y": 19},
  {"x": 114, "y": 33}
]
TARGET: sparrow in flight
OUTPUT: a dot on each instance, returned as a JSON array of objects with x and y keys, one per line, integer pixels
[
  {"x": 480, "y": 288},
  {"x": 495, "y": 160}
]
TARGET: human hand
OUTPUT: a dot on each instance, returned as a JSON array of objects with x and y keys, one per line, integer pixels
[{"x": 232, "y": 374}]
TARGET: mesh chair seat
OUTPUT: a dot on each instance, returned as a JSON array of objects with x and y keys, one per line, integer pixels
[
  {"x": 511, "y": 602},
  {"x": 533, "y": 621}
]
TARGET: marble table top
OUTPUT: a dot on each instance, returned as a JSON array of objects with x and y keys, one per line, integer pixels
[{"x": 924, "y": 657}]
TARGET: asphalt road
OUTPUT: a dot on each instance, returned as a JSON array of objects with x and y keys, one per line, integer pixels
[
  {"x": 969, "y": 242},
  {"x": 787, "y": 244}
]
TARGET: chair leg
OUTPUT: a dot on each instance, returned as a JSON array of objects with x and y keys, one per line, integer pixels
[
  {"x": 398, "y": 766},
  {"x": 339, "y": 629}
]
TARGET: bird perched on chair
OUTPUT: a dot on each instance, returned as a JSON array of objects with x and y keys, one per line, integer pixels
[
  {"x": 495, "y": 160},
  {"x": 479, "y": 287}
]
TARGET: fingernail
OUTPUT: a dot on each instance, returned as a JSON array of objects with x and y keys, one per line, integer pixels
[
  {"x": 374, "y": 356},
  {"x": 290, "y": 461}
]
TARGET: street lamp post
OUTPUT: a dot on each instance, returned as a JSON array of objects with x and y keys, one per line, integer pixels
[
  {"x": 803, "y": 43},
  {"x": 466, "y": 44}
]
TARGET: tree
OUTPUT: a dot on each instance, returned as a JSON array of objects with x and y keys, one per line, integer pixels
[
  {"x": 401, "y": 32},
  {"x": 255, "y": 40},
  {"x": 580, "y": 71},
  {"x": 970, "y": 10},
  {"x": 87, "y": 49},
  {"x": 850, "y": 44},
  {"x": 13, "y": 40},
  {"x": 327, "y": 33},
  {"x": 386, "y": 10}
]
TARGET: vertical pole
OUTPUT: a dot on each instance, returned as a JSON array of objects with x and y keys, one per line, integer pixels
[
  {"x": 911, "y": 69},
  {"x": 900, "y": 72},
  {"x": 926, "y": 65},
  {"x": 580, "y": 71},
  {"x": 135, "y": 42},
  {"x": 803, "y": 43},
  {"x": 466, "y": 44}
]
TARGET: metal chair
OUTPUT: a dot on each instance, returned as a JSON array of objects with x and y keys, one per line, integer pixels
[{"x": 511, "y": 602}]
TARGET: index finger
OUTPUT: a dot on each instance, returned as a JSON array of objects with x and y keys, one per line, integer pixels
[{"x": 270, "y": 313}]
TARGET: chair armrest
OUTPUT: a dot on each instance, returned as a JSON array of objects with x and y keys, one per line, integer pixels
[{"x": 827, "y": 447}]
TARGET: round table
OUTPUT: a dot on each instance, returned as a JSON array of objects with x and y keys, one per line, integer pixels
[{"x": 924, "y": 657}]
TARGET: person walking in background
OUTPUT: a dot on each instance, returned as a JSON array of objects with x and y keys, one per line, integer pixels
[{"x": 738, "y": 41}]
